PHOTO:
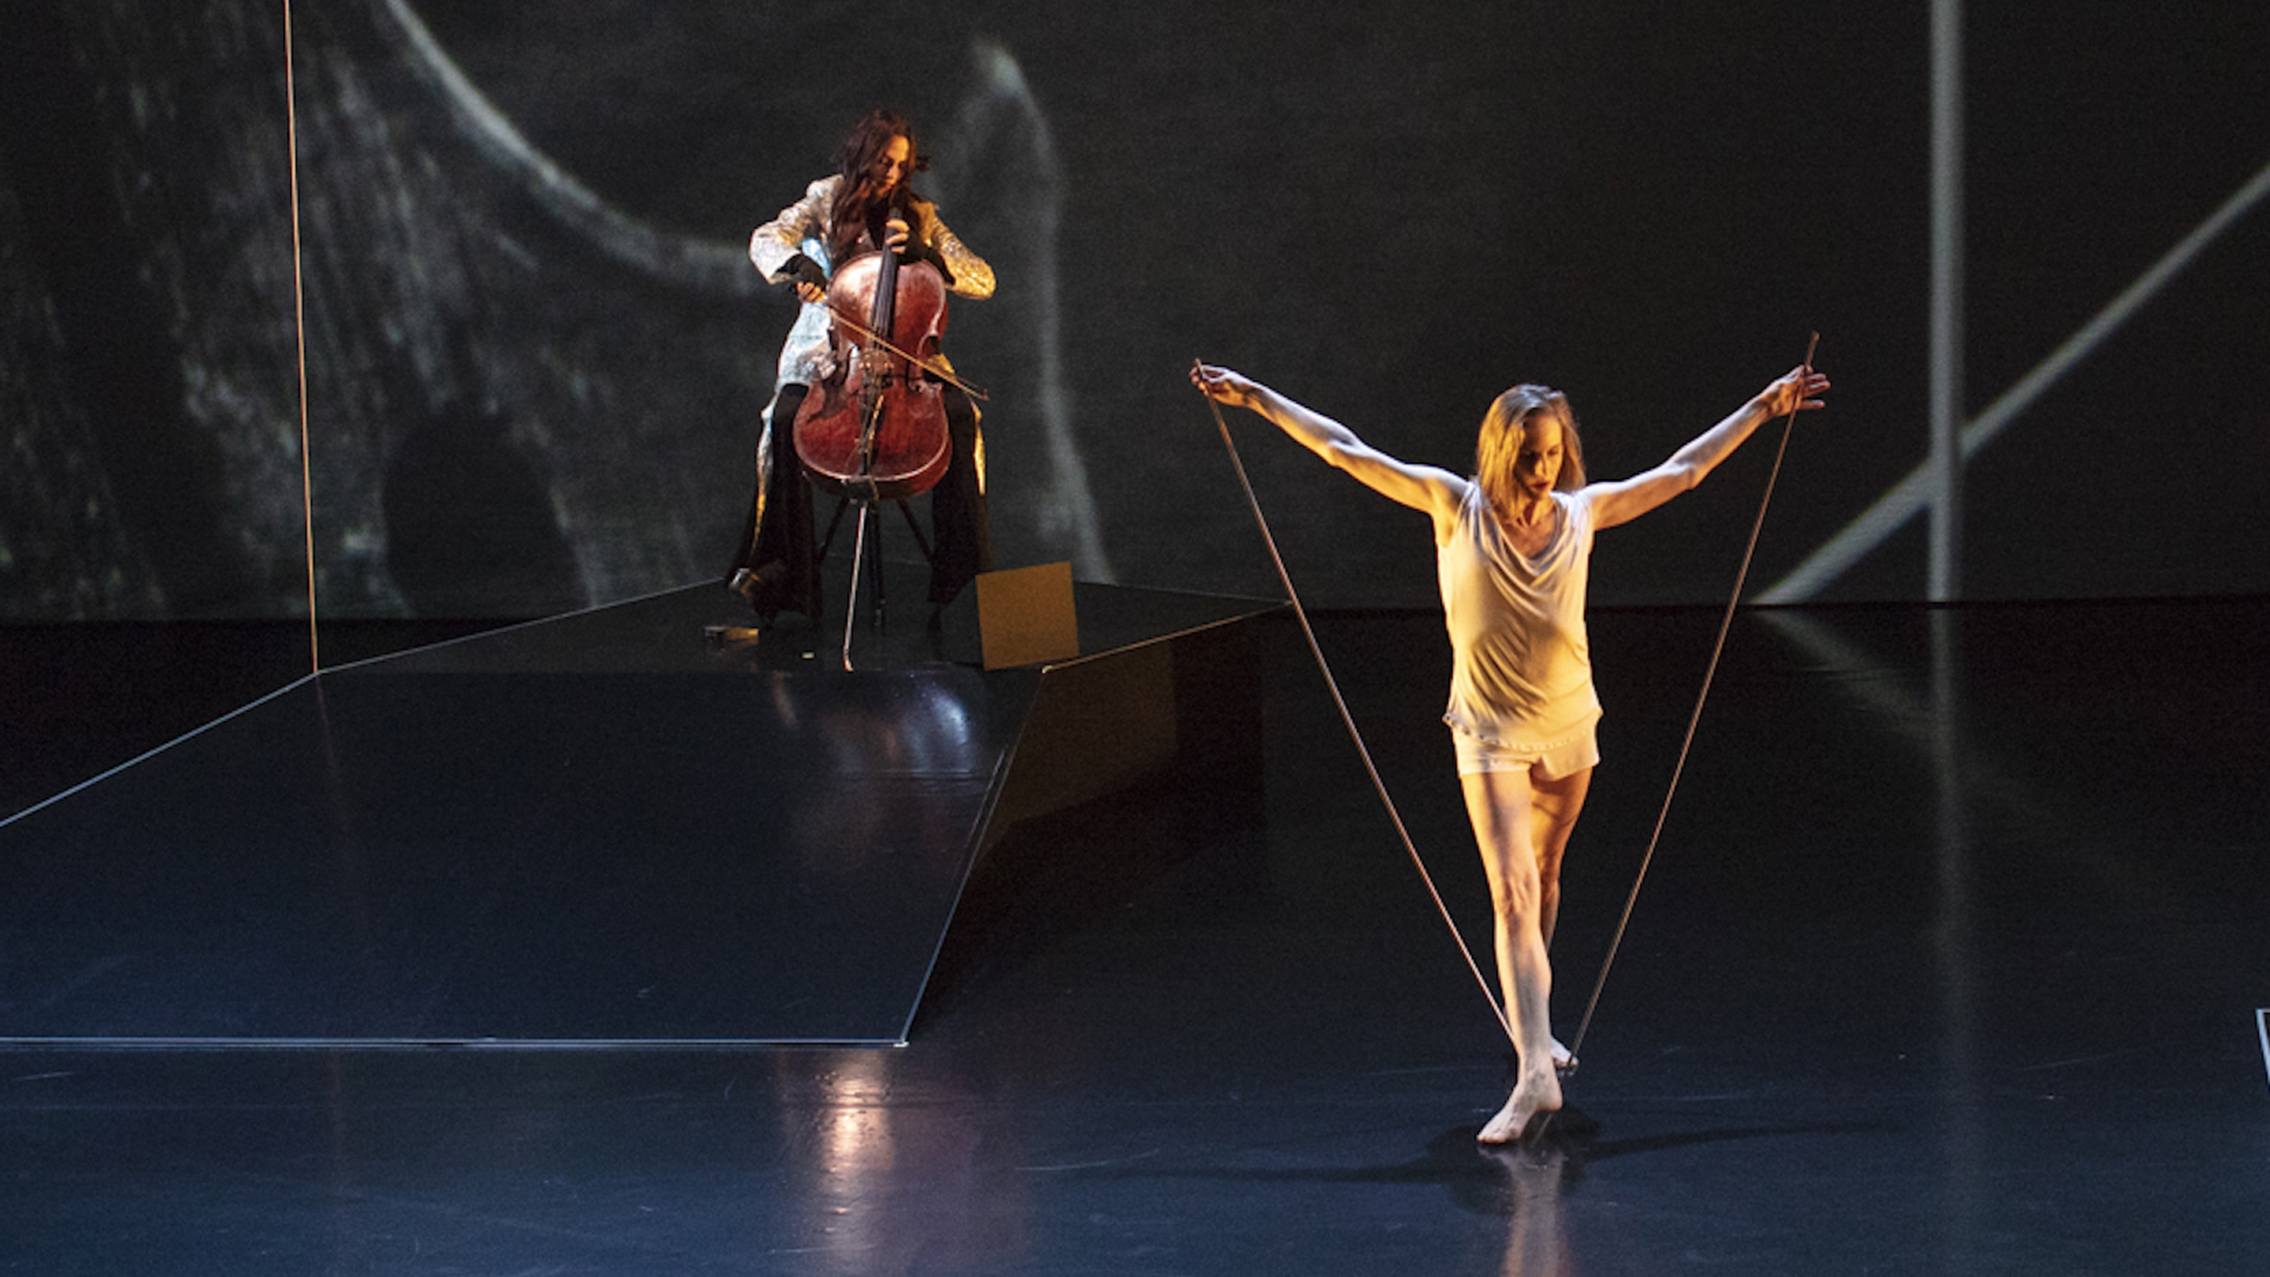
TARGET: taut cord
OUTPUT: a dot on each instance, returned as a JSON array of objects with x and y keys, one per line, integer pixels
[
  {"x": 299, "y": 337},
  {"x": 1349, "y": 721},
  {"x": 1718, "y": 647}
]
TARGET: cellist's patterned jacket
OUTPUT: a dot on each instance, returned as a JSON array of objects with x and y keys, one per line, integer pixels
[
  {"x": 802, "y": 227},
  {"x": 805, "y": 359}
]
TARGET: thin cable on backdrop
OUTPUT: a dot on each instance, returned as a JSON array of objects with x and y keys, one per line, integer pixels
[
  {"x": 1348, "y": 720},
  {"x": 299, "y": 336}
]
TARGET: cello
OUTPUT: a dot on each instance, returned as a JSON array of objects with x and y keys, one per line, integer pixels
[{"x": 875, "y": 428}]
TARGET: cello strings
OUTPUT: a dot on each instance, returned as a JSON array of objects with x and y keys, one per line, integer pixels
[
  {"x": 1348, "y": 720},
  {"x": 1725, "y": 622}
]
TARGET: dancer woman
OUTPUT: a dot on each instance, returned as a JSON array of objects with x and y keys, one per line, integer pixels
[
  {"x": 1512, "y": 548},
  {"x": 865, "y": 206}
]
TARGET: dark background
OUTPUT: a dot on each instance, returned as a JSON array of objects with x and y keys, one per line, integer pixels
[{"x": 535, "y": 355}]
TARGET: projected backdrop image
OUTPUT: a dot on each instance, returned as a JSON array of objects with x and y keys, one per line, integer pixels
[{"x": 536, "y": 351}]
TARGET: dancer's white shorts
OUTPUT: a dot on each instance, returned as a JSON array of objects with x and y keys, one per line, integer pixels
[{"x": 1550, "y": 761}]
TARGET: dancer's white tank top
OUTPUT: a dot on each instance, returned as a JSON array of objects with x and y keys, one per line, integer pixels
[{"x": 1521, "y": 672}]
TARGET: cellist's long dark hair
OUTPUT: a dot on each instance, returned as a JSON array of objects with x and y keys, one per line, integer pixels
[{"x": 854, "y": 161}]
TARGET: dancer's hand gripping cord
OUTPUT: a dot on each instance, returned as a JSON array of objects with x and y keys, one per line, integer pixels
[
  {"x": 1223, "y": 386},
  {"x": 1795, "y": 391}
]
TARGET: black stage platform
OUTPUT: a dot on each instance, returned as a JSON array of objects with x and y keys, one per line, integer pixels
[
  {"x": 1953, "y": 961},
  {"x": 598, "y": 828}
]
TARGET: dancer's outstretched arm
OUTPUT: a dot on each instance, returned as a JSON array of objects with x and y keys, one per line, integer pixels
[
  {"x": 1436, "y": 491},
  {"x": 1627, "y": 499}
]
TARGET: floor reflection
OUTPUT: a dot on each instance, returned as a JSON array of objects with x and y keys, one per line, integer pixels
[
  {"x": 895, "y": 1181},
  {"x": 911, "y": 731}
]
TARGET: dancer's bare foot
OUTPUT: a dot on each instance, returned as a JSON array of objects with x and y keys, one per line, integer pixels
[
  {"x": 1538, "y": 1092},
  {"x": 1564, "y": 1063}
]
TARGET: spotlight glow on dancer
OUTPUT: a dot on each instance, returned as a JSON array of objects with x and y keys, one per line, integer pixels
[{"x": 1513, "y": 546}]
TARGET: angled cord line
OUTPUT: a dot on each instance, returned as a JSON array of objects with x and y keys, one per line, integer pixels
[
  {"x": 1725, "y": 622},
  {"x": 1348, "y": 720}
]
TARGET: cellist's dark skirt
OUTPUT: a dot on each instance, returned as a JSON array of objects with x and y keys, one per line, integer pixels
[{"x": 783, "y": 553}]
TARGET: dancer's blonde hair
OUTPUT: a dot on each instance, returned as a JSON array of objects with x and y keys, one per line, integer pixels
[{"x": 1498, "y": 444}]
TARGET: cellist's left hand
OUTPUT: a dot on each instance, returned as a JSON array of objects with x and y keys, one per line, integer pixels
[{"x": 896, "y": 233}]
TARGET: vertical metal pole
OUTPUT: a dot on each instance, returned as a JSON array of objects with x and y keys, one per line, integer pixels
[
  {"x": 1955, "y": 914},
  {"x": 1946, "y": 299}
]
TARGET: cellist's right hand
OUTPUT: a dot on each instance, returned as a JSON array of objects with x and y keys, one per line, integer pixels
[
  {"x": 807, "y": 279},
  {"x": 1225, "y": 386}
]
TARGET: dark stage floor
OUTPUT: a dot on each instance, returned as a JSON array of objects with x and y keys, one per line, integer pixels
[{"x": 1952, "y": 961}]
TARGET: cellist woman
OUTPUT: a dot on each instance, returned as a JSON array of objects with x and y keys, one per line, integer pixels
[{"x": 866, "y": 205}]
